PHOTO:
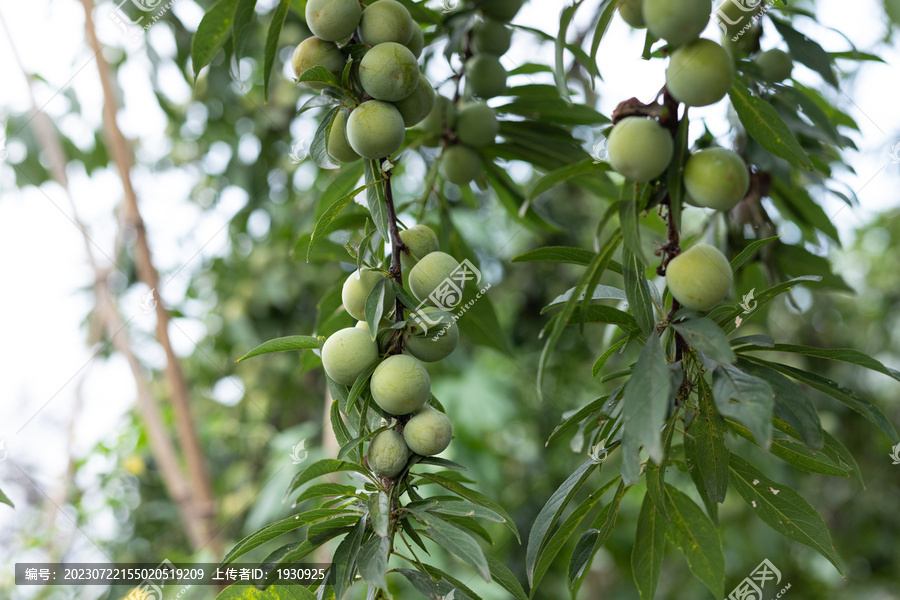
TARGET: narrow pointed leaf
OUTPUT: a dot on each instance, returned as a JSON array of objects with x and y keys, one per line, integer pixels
[
  {"x": 697, "y": 538},
  {"x": 648, "y": 550}
]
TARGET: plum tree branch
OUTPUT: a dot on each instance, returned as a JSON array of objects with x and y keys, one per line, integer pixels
[{"x": 397, "y": 245}]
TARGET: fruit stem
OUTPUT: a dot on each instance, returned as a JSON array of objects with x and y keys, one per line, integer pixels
[{"x": 397, "y": 245}]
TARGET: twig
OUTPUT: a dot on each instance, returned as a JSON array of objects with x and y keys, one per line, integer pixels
[{"x": 397, "y": 245}]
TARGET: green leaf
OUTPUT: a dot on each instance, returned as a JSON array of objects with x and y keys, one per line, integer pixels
[
  {"x": 675, "y": 172},
  {"x": 549, "y": 515},
  {"x": 593, "y": 539},
  {"x": 603, "y": 22},
  {"x": 645, "y": 406},
  {"x": 587, "y": 166},
  {"x": 455, "y": 540},
  {"x": 241, "y": 591},
  {"x": 318, "y": 149},
  {"x": 330, "y": 213},
  {"x": 750, "y": 251},
  {"x": 425, "y": 585},
  {"x": 580, "y": 415},
  {"x": 278, "y": 18},
  {"x": 559, "y": 73},
  {"x": 783, "y": 509},
  {"x": 630, "y": 206},
  {"x": 847, "y": 355},
  {"x": 374, "y": 309},
  {"x": 462, "y": 508},
  {"x": 601, "y": 362},
  {"x": 373, "y": 561},
  {"x": 728, "y": 322},
  {"x": 553, "y": 110},
  {"x": 349, "y": 446},
  {"x": 764, "y": 125},
  {"x": 649, "y": 548},
  {"x": 462, "y": 592},
  {"x": 503, "y": 576},
  {"x": 213, "y": 30},
  {"x": 243, "y": 16},
  {"x": 283, "y": 344},
  {"x": 476, "y": 497},
  {"x": 376, "y": 199},
  {"x": 380, "y": 513},
  {"x": 807, "y": 51},
  {"x": 325, "y": 489},
  {"x": 840, "y": 453},
  {"x": 707, "y": 337},
  {"x": 343, "y": 561},
  {"x": 637, "y": 289},
  {"x": 803, "y": 458},
  {"x": 558, "y": 254},
  {"x": 5, "y": 499},
  {"x": 705, "y": 451},
  {"x": 697, "y": 538},
  {"x": 745, "y": 398},
  {"x": 323, "y": 467}
]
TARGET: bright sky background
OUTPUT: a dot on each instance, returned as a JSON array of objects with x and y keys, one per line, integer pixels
[{"x": 44, "y": 361}]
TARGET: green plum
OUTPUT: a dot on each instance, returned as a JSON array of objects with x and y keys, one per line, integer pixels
[
  {"x": 776, "y": 65},
  {"x": 502, "y": 10},
  {"x": 491, "y": 37},
  {"x": 676, "y": 22},
  {"x": 443, "y": 113},
  {"x": 632, "y": 12},
  {"x": 430, "y": 272},
  {"x": 700, "y": 73},
  {"x": 700, "y": 277},
  {"x": 386, "y": 21},
  {"x": 375, "y": 129},
  {"x": 716, "y": 178},
  {"x": 416, "y": 43},
  {"x": 356, "y": 291},
  {"x": 387, "y": 454},
  {"x": 434, "y": 337},
  {"x": 333, "y": 20},
  {"x": 460, "y": 164},
  {"x": 400, "y": 385},
  {"x": 486, "y": 76},
  {"x": 417, "y": 105},
  {"x": 347, "y": 353},
  {"x": 428, "y": 432},
  {"x": 420, "y": 240},
  {"x": 338, "y": 146},
  {"x": 389, "y": 72},
  {"x": 639, "y": 148},
  {"x": 477, "y": 124},
  {"x": 313, "y": 52}
]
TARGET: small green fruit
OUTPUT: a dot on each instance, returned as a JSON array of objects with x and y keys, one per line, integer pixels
[
  {"x": 700, "y": 277},
  {"x": 375, "y": 129},
  {"x": 400, "y": 385},
  {"x": 347, "y": 353},
  {"x": 420, "y": 240},
  {"x": 716, "y": 178},
  {"x": 428, "y": 433},
  {"x": 485, "y": 75},
  {"x": 417, "y": 105},
  {"x": 313, "y": 52},
  {"x": 387, "y": 454},
  {"x": 491, "y": 37},
  {"x": 676, "y": 22},
  {"x": 430, "y": 272},
  {"x": 733, "y": 17},
  {"x": 389, "y": 72},
  {"x": 502, "y": 10},
  {"x": 386, "y": 21},
  {"x": 443, "y": 112},
  {"x": 333, "y": 20},
  {"x": 477, "y": 125},
  {"x": 639, "y": 149},
  {"x": 460, "y": 165},
  {"x": 338, "y": 146},
  {"x": 632, "y": 12},
  {"x": 416, "y": 43},
  {"x": 776, "y": 65},
  {"x": 434, "y": 339},
  {"x": 700, "y": 73},
  {"x": 384, "y": 324},
  {"x": 356, "y": 291}
]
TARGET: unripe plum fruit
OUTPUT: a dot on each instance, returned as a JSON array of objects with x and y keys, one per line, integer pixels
[
  {"x": 485, "y": 75},
  {"x": 444, "y": 111},
  {"x": 430, "y": 272},
  {"x": 716, "y": 178},
  {"x": 347, "y": 353},
  {"x": 639, "y": 148},
  {"x": 388, "y": 454},
  {"x": 385, "y": 21},
  {"x": 375, "y": 129},
  {"x": 400, "y": 385},
  {"x": 313, "y": 52},
  {"x": 502, "y": 10},
  {"x": 476, "y": 124},
  {"x": 338, "y": 146},
  {"x": 700, "y": 73},
  {"x": 632, "y": 12},
  {"x": 744, "y": 45},
  {"x": 892, "y": 8},
  {"x": 676, "y": 22},
  {"x": 436, "y": 338},
  {"x": 700, "y": 277},
  {"x": 428, "y": 433},
  {"x": 384, "y": 324},
  {"x": 460, "y": 164},
  {"x": 775, "y": 65},
  {"x": 416, "y": 43},
  {"x": 491, "y": 37},
  {"x": 420, "y": 240},
  {"x": 333, "y": 20},
  {"x": 389, "y": 72},
  {"x": 417, "y": 105},
  {"x": 357, "y": 289},
  {"x": 733, "y": 16}
]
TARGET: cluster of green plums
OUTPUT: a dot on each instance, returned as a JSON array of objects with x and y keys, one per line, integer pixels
[{"x": 400, "y": 384}]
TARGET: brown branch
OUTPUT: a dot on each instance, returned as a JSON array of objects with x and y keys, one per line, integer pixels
[
  {"x": 201, "y": 493},
  {"x": 397, "y": 245}
]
